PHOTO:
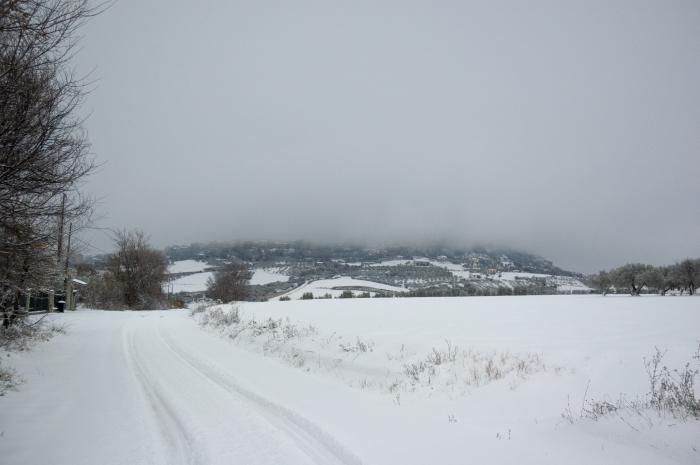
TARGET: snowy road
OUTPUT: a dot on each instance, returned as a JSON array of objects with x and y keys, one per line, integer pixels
[
  {"x": 164, "y": 404},
  {"x": 242, "y": 427}
]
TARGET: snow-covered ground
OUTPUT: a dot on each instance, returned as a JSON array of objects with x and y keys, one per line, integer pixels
[
  {"x": 325, "y": 286},
  {"x": 506, "y": 278},
  {"x": 197, "y": 282},
  {"x": 562, "y": 283},
  {"x": 393, "y": 263},
  {"x": 325, "y": 381},
  {"x": 267, "y": 276},
  {"x": 187, "y": 266},
  {"x": 191, "y": 283},
  {"x": 446, "y": 265}
]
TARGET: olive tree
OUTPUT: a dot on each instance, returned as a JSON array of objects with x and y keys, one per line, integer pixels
[
  {"x": 602, "y": 281},
  {"x": 687, "y": 274},
  {"x": 662, "y": 278},
  {"x": 633, "y": 276}
]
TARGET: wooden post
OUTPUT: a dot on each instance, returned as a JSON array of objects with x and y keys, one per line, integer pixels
[
  {"x": 70, "y": 230},
  {"x": 69, "y": 294},
  {"x": 49, "y": 306}
]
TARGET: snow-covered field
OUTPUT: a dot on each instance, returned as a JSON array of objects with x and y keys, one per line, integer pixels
[
  {"x": 563, "y": 283},
  {"x": 267, "y": 276},
  {"x": 196, "y": 282},
  {"x": 506, "y": 278},
  {"x": 325, "y": 381},
  {"x": 325, "y": 286},
  {"x": 187, "y": 266}
]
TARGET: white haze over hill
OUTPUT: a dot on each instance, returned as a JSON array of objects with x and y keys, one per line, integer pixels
[{"x": 565, "y": 129}]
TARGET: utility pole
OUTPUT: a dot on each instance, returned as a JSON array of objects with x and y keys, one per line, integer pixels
[
  {"x": 70, "y": 230},
  {"x": 60, "y": 228},
  {"x": 169, "y": 287},
  {"x": 68, "y": 288}
]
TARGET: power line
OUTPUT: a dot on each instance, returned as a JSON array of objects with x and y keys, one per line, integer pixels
[{"x": 90, "y": 245}]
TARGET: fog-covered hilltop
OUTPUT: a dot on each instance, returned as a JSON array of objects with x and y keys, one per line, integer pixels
[
  {"x": 263, "y": 253},
  {"x": 282, "y": 267}
]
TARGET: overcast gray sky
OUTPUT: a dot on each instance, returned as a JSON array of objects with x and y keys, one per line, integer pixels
[{"x": 566, "y": 129}]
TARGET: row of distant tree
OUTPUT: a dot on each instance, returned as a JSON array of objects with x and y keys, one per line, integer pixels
[
  {"x": 683, "y": 276},
  {"x": 135, "y": 275}
]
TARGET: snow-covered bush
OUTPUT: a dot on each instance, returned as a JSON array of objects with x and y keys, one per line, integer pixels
[
  {"x": 359, "y": 346},
  {"x": 671, "y": 392},
  {"x": 451, "y": 371},
  {"x": 27, "y": 331},
  {"x": 9, "y": 379},
  {"x": 470, "y": 368},
  {"x": 200, "y": 308},
  {"x": 218, "y": 318}
]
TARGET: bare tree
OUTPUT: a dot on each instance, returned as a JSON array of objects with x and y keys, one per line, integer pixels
[
  {"x": 230, "y": 283},
  {"x": 136, "y": 273},
  {"x": 602, "y": 280},
  {"x": 44, "y": 150}
]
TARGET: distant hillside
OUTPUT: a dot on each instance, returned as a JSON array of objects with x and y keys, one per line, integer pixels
[
  {"x": 261, "y": 254},
  {"x": 417, "y": 270}
]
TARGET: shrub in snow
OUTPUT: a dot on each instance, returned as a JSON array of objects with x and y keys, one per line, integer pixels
[
  {"x": 450, "y": 370},
  {"x": 470, "y": 368},
  {"x": 277, "y": 336},
  {"x": 27, "y": 331},
  {"x": 672, "y": 392},
  {"x": 9, "y": 380},
  {"x": 359, "y": 346},
  {"x": 200, "y": 308},
  {"x": 217, "y": 318}
]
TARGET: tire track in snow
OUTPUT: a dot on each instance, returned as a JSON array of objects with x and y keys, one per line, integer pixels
[
  {"x": 178, "y": 441},
  {"x": 309, "y": 437}
]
